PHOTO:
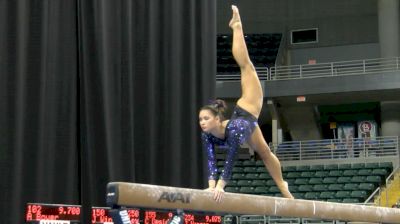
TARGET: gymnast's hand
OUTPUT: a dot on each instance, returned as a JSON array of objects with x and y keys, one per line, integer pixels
[
  {"x": 219, "y": 190},
  {"x": 218, "y": 193},
  {"x": 210, "y": 189}
]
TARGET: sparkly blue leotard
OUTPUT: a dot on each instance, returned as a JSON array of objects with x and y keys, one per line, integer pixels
[{"x": 237, "y": 131}]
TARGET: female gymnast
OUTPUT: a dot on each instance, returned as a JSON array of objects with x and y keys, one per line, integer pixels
[{"x": 242, "y": 127}]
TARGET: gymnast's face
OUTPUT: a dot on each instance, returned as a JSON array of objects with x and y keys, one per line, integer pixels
[{"x": 208, "y": 121}]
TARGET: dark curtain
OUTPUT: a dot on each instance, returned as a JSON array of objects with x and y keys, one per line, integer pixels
[
  {"x": 146, "y": 68},
  {"x": 38, "y": 105},
  {"x": 99, "y": 91}
]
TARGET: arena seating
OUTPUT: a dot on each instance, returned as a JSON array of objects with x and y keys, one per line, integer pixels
[
  {"x": 348, "y": 183},
  {"x": 263, "y": 50}
]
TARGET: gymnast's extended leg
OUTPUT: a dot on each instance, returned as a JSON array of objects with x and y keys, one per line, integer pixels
[
  {"x": 252, "y": 93},
  {"x": 258, "y": 143},
  {"x": 252, "y": 100}
]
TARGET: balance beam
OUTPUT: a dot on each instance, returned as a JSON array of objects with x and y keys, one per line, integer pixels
[{"x": 171, "y": 198}]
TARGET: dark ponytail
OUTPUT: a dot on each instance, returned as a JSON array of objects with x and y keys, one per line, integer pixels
[{"x": 217, "y": 107}]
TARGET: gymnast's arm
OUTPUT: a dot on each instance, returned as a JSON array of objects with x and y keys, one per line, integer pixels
[
  {"x": 229, "y": 163},
  {"x": 208, "y": 146}
]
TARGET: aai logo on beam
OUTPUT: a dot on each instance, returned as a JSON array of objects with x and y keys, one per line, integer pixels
[{"x": 173, "y": 197}]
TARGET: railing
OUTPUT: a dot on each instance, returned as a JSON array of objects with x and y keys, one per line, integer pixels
[
  {"x": 262, "y": 72},
  {"x": 340, "y": 68},
  {"x": 376, "y": 193},
  {"x": 389, "y": 179},
  {"x": 263, "y": 219},
  {"x": 337, "y": 148}
]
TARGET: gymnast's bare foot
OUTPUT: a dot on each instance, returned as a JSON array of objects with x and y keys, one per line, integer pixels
[
  {"x": 235, "y": 21},
  {"x": 284, "y": 188}
]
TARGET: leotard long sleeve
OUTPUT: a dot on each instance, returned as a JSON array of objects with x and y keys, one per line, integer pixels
[{"x": 237, "y": 131}]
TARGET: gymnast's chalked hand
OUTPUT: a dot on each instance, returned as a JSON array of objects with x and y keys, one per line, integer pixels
[
  {"x": 210, "y": 189},
  {"x": 218, "y": 194}
]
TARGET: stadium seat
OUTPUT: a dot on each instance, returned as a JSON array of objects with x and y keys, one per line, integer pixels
[
  {"x": 316, "y": 167},
  {"x": 335, "y": 173},
  {"x": 274, "y": 189},
  {"x": 303, "y": 168},
  {"x": 252, "y": 176},
  {"x": 244, "y": 183},
  {"x": 320, "y": 187},
  {"x": 248, "y": 163},
  {"x": 232, "y": 189},
  {"x": 358, "y": 165},
  {"x": 300, "y": 181},
  {"x": 271, "y": 182},
  {"x": 374, "y": 179},
  {"x": 344, "y": 179},
  {"x": 364, "y": 172},
  {"x": 293, "y": 175},
  {"x": 307, "y": 174},
  {"x": 293, "y": 188},
  {"x": 322, "y": 173},
  {"x": 336, "y": 187},
  {"x": 312, "y": 195},
  {"x": 298, "y": 195},
  {"x": 238, "y": 176},
  {"x": 262, "y": 169},
  {"x": 331, "y": 167},
  {"x": 261, "y": 190},
  {"x": 359, "y": 194},
  {"x": 256, "y": 183},
  {"x": 289, "y": 168},
  {"x": 345, "y": 166},
  {"x": 330, "y": 180},
  {"x": 237, "y": 170},
  {"x": 291, "y": 181},
  {"x": 232, "y": 183},
  {"x": 335, "y": 200},
  {"x": 372, "y": 165},
  {"x": 352, "y": 172},
  {"x": 327, "y": 195},
  {"x": 342, "y": 194},
  {"x": 358, "y": 179},
  {"x": 265, "y": 176},
  {"x": 386, "y": 165},
  {"x": 380, "y": 172},
  {"x": 367, "y": 186},
  {"x": 268, "y": 194},
  {"x": 351, "y": 200},
  {"x": 247, "y": 190},
  {"x": 316, "y": 180},
  {"x": 305, "y": 188},
  {"x": 250, "y": 169},
  {"x": 260, "y": 163},
  {"x": 221, "y": 163},
  {"x": 350, "y": 187}
]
